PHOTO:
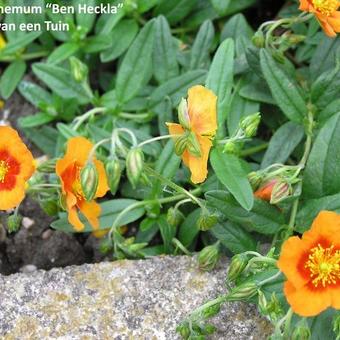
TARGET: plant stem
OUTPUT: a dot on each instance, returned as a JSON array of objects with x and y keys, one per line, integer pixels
[
  {"x": 156, "y": 139},
  {"x": 80, "y": 120},
  {"x": 254, "y": 149},
  {"x": 179, "y": 245}
]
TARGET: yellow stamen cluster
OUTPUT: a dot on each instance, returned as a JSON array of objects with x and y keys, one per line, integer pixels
[
  {"x": 324, "y": 265},
  {"x": 4, "y": 167},
  {"x": 326, "y": 7}
]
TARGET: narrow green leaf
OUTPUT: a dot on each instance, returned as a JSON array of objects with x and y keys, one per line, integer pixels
[
  {"x": 283, "y": 88},
  {"x": 35, "y": 94},
  {"x": 85, "y": 20},
  {"x": 282, "y": 144},
  {"x": 229, "y": 171},
  {"x": 62, "y": 52},
  {"x": 164, "y": 53},
  {"x": 202, "y": 45},
  {"x": 220, "y": 78},
  {"x": 221, "y": 6},
  {"x": 38, "y": 119},
  {"x": 320, "y": 176},
  {"x": 175, "y": 10},
  {"x": 11, "y": 78},
  {"x": 97, "y": 43},
  {"x": 19, "y": 43},
  {"x": 188, "y": 230},
  {"x": 168, "y": 232}
]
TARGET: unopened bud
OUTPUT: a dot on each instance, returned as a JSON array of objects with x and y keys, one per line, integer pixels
[
  {"x": 264, "y": 192},
  {"x": 231, "y": 147},
  {"x": 258, "y": 39},
  {"x": 250, "y": 124},
  {"x": 295, "y": 39},
  {"x": 181, "y": 144},
  {"x": 134, "y": 165},
  {"x": 184, "y": 330},
  {"x": 47, "y": 166},
  {"x": 274, "y": 306},
  {"x": 262, "y": 303},
  {"x": 254, "y": 179},
  {"x": 174, "y": 217},
  {"x": 301, "y": 331},
  {"x": 281, "y": 190},
  {"x": 236, "y": 267},
  {"x": 89, "y": 180},
  {"x": 193, "y": 145},
  {"x": 14, "y": 223},
  {"x": 113, "y": 173},
  {"x": 183, "y": 114},
  {"x": 243, "y": 292},
  {"x": 208, "y": 257},
  {"x": 79, "y": 70},
  {"x": 206, "y": 221}
]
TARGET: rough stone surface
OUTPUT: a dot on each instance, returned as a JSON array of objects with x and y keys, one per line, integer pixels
[{"x": 119, "y": 300}]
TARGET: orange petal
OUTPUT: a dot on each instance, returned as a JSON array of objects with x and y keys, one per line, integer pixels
[
  {"x": 91, "y": 211},
  {"x": 175, "y": 129},
  {"x": 103, "y": 186},
  {"x": 73, "y": 216},
  {"x": 10, "y": 199},
  {"x": 293, "y": 255},
  {"x": 306, "y": 301},
  {"x": 199, "y": 165},
  {"x": 334, "y": 21},
  {"x": 202, "y": 110},
  {"x": 335, "y": 293},
  {"x": 304, "y": 5},
  {"x": 323, "y": 20}
]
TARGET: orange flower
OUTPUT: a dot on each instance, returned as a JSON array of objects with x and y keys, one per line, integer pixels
[
  {"x": 201, "y": 111},
  {"x": 16, "y": 167},
  {"x": 265, "y": 190},
  {"x": 312, "y": 266},
  {"x": 326, "y": 11},
  {"x": 68, "y": 169}
]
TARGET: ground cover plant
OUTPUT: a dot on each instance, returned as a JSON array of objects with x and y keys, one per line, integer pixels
[{"x": 173, "y": 127}]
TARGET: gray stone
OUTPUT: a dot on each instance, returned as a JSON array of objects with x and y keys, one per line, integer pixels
[{"x": 119, "y": 300}]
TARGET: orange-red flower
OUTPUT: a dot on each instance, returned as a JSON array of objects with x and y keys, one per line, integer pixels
[
  {"x": 68, "y": 169},
  {"x": 16, "y": 167},
  {"x": 264, "y": 192},
  {"x": 202, "y": 123},
  {"x": 312, "y": 266},
  {"x": 326, "y": 11}
]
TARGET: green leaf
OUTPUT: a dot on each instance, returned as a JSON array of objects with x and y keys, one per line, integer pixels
[
  {"x": 107, "y": 21},
  {"x": 282, "y": 144},
  {"x": 121, "y": 38},
  {"x": 175, "y": 10},
  {"x": 235, "y": 27},
  {"x": 38, "y": 119},
  {"x": 132, "y": 72},
  {"x": 263, "y": 218},
  {"x": 220, "y": 78},
  {"x": 66, "y": 131},
  {"x": 202, "y": 45},
  {"x": 221, "y": 6},
  {"x": 234, "y": 237},
  {"x": 96, "y": 44},
  {"x": 229, "y": 171},
  {"x": 320, "y": 176},
  {"x": 168, "y": 232},
  {"x": 164, "y": 53},
  {"x": 62, "y": 52},
  {"x": 310, "y": 208},
  {"x": 61, "y": 82},
  {"x": 35, "y": 94},
  {"x": 109, "y": 212},
  {"x": 11, "y": 78},
  {"x": 188, "y": 230},
  {"x": 177, "y": 87},
  {"x": 330, "y": 110},
  {"x": 19, "y": 43},
  {"x": 85, "y": 20},
  {"x": 283, "y": 88}
]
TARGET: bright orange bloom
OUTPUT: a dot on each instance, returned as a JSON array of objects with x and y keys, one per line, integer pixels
[
  {"x": 68, "y": 169},
  {"x": 326, "y": 11},
  {"x": 203, "y": 123},
  {"x": 16, "y": 167},
  {"x": 312, "y": 266},
  {"x": 264, "y": 192}
]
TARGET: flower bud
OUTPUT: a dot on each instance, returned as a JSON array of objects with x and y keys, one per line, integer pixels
[
  {"x": 258, "y": 39},
  {"x": 183, "y": 114},
  {"x": 262, "y": 303},
  {"x": 79, "y": 70},
  {"x": 254, "y": 179},
  {"x": 181, "y": 144},
  {"x": 14, "y": 223},
  {"x": 250, "y": 124},
  {"x": 184, "y": 330},
  {"x": 281, "y": 190},
  {"x": 89, "y": 180},
  {"x": 174, "y": 217},
  {"x": 243, "y": 292},
  {"x": 47, "y": 166},
  {"x": 274, "y": 306},
  {"x": 208, "y": 257},
  {"x": 113, "y": 172},
  {"x": 295, "y": 39},
  {"x": 193, "y": 145},
  {"x": 206, "y": 221},
  {"x": 236, "y": 267},
  {"x": 301, "y": 331},
  {"x": 264, "y": 192},
  {"x": 134, "y": 165},
  {"x": 231, "y": 147}
]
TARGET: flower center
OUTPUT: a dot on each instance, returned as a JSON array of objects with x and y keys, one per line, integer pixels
[
  {"x": 326, "y": 7},
  {"x": 324, "y": 265},
  {"x": 4, "y": 168}
]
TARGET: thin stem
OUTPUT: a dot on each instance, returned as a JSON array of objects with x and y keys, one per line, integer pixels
[
  {"x": 127, "y": 115},
  {"x": 96, "y": 146},
  {"x": 80, "y": 120},
  {"x": 130, "y": 133},
  {"x": 27, "y": 56},
  {"x": 269, "y": 279},
  {"x": 254, "y": 149},
  {"x": 178, "y": 204},
  {"x": 179, "y": 245},
  {"x": 156, "y": 139}
]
